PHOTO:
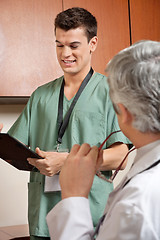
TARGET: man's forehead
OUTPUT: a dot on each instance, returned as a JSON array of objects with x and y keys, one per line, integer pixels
[
  {"x": 80, "y": 31},
  {"x": 72, "y": 36}
]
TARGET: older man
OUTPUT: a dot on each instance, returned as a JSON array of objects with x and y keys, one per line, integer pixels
[{"x": 133, "y": 209}]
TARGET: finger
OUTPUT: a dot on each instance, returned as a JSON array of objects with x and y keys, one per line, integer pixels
[
  {"x": 38, "y": 163},
  {"x": 93, "y": 154},
  {"x": 74, "y": 150},
  {"x": 1, "y": 126},
  {"x": 100, "y": 155},
  {"x": 40, "y": 152},
  {"x": 84, "y": 149},
  {"x": 100, "y": 159},
  {"x": 32, "y": 161}
]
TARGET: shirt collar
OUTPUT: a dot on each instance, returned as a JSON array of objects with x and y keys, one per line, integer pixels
[{"x": 145, "y": 157}]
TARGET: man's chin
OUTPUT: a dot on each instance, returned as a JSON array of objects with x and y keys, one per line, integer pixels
[{"x": 70, "y": 71}]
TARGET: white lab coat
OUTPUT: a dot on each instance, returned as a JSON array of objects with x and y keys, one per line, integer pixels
[{"x": 132, "y": 211}]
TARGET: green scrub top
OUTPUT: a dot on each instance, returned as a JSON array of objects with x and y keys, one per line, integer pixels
[{"x": 91, "y": 121}]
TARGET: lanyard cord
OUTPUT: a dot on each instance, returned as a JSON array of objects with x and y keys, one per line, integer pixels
[{"x": 62, "y": 124}]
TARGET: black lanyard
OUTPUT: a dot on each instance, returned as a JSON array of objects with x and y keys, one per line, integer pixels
[{"x": 62, "y": 124}]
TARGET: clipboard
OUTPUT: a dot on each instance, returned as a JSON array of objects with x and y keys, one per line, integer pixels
[{"x": 16, "y": 153}]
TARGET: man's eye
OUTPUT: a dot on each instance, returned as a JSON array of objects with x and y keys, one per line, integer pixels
[
  {"x": 59, "y": 46},
  {"x": 74, "y": 46}
]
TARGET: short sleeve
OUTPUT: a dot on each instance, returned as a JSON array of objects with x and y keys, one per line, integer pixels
[{"x": 20, "y": 129}]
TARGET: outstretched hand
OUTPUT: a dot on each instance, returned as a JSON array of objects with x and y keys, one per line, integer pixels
[
  {"x": 78, "y": 172},
  {"x": 1, "y": 126},
  {"x": 51, "y": 163}
]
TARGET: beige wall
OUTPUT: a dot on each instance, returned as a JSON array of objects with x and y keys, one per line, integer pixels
[{"x": 13, "y": 183}]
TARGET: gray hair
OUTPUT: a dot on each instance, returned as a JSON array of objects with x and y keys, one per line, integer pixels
[{"x": 134, "y": 81}]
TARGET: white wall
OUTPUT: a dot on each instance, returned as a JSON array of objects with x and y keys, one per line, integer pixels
[{"x": 13, "y": 183}]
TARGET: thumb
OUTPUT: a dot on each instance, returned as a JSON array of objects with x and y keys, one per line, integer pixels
[
  {"x": 100, "y": 159},
  {"x": 40, "y": 152}
]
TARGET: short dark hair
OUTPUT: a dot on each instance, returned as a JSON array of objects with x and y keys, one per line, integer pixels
[{"x": 75, "y": 17}]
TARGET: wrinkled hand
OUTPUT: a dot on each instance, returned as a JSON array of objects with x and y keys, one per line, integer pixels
[
  {"x": 77, "y": 174},
  {"x": 1, "y": 126},
  {"x": 51, "y": 163}
]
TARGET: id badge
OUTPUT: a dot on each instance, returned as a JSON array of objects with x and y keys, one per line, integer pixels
[{"x": 52, "y": 183}]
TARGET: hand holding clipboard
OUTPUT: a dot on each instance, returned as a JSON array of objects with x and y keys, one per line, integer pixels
[{"x": 16, "y": 153}]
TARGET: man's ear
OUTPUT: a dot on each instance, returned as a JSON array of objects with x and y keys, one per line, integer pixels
[
  {"x": 126, "y": 116},
  {"x": 93, "y": 43}
]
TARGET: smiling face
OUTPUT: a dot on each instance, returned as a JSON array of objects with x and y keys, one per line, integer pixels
[{"x": 74, "y": 51}]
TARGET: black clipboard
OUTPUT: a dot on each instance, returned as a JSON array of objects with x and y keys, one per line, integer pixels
[{"x": 16, "y": 153}]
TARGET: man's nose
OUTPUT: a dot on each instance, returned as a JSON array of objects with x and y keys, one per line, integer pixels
[{"x": 66, "y": 52}]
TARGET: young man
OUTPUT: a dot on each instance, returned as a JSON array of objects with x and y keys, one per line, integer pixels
[
  {"x": 53, "y": 123},
  {"x": 133, "y": 209}
]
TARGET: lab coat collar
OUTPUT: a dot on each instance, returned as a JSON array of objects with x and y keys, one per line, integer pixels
[{"x": 144, "y": 158}]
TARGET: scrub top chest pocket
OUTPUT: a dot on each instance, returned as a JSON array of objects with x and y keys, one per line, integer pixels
[{"x": 88, "y": 127}]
